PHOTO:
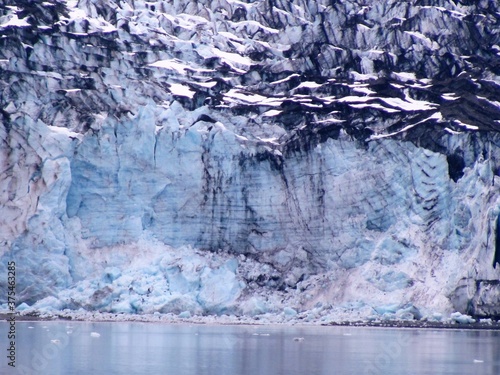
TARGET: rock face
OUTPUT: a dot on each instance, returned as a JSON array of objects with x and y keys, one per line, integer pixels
[{"x": 346, "y": 152}]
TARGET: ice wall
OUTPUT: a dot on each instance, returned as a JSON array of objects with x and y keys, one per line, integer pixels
[
  {"x": 384, "y": 218},
  {"x": 345, "y": 154}
]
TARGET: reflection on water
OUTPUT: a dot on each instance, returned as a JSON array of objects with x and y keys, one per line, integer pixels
[{"x": 64, "y": 348}]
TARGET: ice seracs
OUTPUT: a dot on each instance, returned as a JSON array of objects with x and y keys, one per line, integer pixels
[{"x": 348, "y": 153}]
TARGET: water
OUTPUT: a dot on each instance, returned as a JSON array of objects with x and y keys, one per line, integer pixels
[{"x": 146, "y": 348}]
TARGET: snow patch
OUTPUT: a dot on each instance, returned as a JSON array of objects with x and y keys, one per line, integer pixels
[{"x": 181, "y": 90}]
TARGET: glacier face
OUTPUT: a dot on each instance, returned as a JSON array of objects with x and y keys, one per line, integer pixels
[{"x": 225, "y": 156}]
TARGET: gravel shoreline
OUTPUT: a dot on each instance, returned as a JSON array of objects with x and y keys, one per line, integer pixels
[{"x": 232, "y": 320}]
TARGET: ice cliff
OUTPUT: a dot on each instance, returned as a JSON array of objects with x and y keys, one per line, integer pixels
[{"x": 244, "y": 157}]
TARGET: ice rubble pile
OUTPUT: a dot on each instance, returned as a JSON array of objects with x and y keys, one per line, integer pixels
[{"x": 245, "y": 157}]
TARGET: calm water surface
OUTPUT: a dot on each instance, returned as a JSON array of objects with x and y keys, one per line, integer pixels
[{"x": 63, "y": 348}]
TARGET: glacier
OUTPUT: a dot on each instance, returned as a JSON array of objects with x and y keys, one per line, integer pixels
[{"x": 231, "y": 157}]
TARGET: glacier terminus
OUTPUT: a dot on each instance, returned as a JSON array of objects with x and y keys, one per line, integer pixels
[{"x": 320, "y": 160}]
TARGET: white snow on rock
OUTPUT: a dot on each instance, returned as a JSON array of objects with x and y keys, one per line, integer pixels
[
  {"x": 271, "y": 113},
  {"x": 14, "y": 21},
  {"x": 181, "y": 90},
  {"x": 309, "y": 85},
  {"x": 410, "y": 105},
  {"x": 239, "y": 96},
  {"x": 179, "y": 67}
]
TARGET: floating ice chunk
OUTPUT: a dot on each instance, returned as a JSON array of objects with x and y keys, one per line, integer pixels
[
  {"x": 478, "y": 361},
  {"x": 95, "y": 334},
  {"x": 299, "y": 339}
]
